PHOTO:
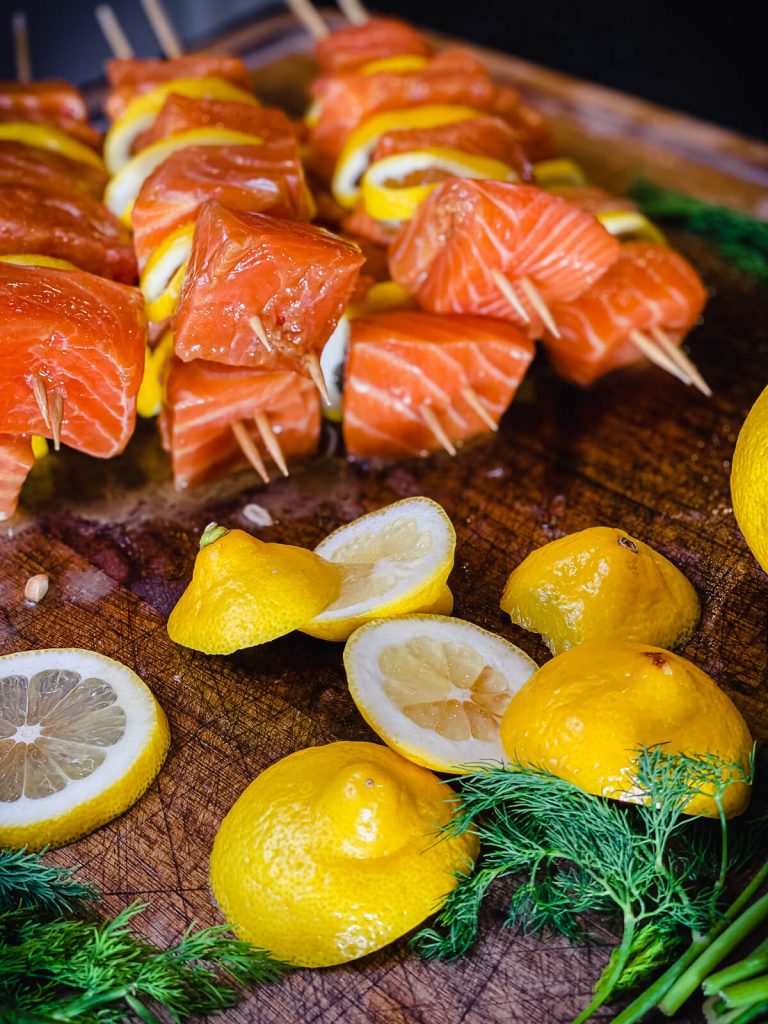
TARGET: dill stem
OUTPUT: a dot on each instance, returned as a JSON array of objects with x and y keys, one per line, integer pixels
[
  {"x": 746, "y": 993},
  {"x": 605, "y": 988},
  {"x": 89, "y": 1001},
  {"x": 650, "y": 997},
  {"x": 751, "y": 965},
  {"x": 714, "y": 954}
]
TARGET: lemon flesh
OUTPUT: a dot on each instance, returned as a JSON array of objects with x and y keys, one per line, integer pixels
[
  {"x": 45, "y": 136},
  {"x": 601, "y": 584},
  {"x": 585, "y": 714},
  {"x": 392, "y": 562},
  {"x": 81, "y": 738},
  {"x": 749, "y": 480},
  {"x": 331, "y": 854},
  {"x": 245, "y": 592},
  {"x": 435, "y": 688}
]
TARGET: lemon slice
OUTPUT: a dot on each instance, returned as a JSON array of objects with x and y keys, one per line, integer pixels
[
  {"x": 356, "y": 154},
  {"x": 81, "y": 738},
  {"x": 164, "y": 273},
  {"x": 45, "y": 136},
  {"x": 121, "y": 192},
  {"x": 141, "y": 112},
  {"x": 380, "y": 297},
  {"x": 35, "y": 259},
  {"x": 152, "y": 391},
  {"x": 435, "y": 688},
  {"x": 393, "y": 561},
  {"x": 333, "y": 360},
  {"x": 387, "y": 201},
  {"x": 39, "y": 446},
  {"x": 402, "y": 62},
  {"x": 631, "y": 224},
  {"x": 561, "y": 171}
]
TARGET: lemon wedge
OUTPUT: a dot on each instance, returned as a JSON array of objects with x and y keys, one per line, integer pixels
[
  {"x": 81, "y": 739},
  {"x": 358, "y": 148},
  {"x": 163, "y": 275},
  {"x": 385, "y": 199},
  {"x": 141, "y": 112},
  {"x": 36, "y": 259},
  {"x": 631, "y": 224},
  {"x": 45, "y": 136},
  {"x": 151, "y": 395},
  {"x": 393, "y": 561},
  {"x": 435, "y": 688},
  {"x": 121, "y": 192},
  {"x": 560, "y": 171}
]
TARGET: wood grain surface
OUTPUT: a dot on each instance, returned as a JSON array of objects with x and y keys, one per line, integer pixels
[{"x": 638, "y": 451}]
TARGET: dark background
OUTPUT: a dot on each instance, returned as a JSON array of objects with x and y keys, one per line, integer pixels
[{"x": 709, "y": 61}]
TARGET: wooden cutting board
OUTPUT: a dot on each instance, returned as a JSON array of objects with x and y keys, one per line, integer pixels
[{"x": 638, "y": 451}]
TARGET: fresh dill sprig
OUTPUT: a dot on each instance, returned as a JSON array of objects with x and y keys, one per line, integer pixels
[
  {"x": 57, "y": 965},
  {"x": 646, "y": 865},
  {"x": 740, "y": 238}
]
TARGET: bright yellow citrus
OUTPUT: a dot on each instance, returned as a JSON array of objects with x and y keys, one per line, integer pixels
[
  {"x": 601, "y": 584},
  {"x": 141, "y": 112},
  {"x": 399, "y": 63},
  {"x": 163, "y": 275},
  {"x": 331, "y": 854},
  {"x": 45, "y": 136},
  {"x": 152, "y": 391},
  {"x": 81, "y": 739},
  {"x": 631, "y": 224},
  {"x": 585, "y": 714},
  {"x": 749, "y": 480},
  {"x": 34, "y": 259},
  {"x": 245, "y": 592},
  {"x": 380, "y": 297},
  {"x": 392, "y": 562},
  {"x": 39, "y": 446},
  {"x": 560, "y": 171},
  {"x": 435, "y": 688}
]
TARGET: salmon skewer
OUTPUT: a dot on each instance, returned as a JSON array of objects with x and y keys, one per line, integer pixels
[
  {"x": 359, "y": 45},
  {"x": 499, "y": 250},
  {"x": 218, "y": 419},
  {"x": 417, "y": 382},
  {"x": 16, "y": 460},
  {"x": 643, "y": 306}
]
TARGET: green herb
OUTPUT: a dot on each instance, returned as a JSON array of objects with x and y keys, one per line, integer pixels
[
  {"x": 740, "y": 238},
  {"x": 656, "y": 871},
  {"x": 59, "y": 966}
]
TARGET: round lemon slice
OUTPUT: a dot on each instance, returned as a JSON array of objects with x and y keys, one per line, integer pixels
[
  {"x": 435, "y": 688},
  {"x": 386, "y": 199},
  {"x": 356, "y": 154},
  {"x": 141, "y": 112},
  {"x": 121, "y": 192},
  {"x": 163, "y": 275},
  {"x": 631, "y": 224},
  {"x": 81, "y": 739},
  {"x": 45, "y": 136},
  {"x": 561, "y": 171},
  {"x": 151, "y": 395},
  {"x": 393, "y": 561},
  {"x": 36, "y": 259}
]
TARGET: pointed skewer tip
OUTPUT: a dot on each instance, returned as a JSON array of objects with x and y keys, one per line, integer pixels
[
  {"x": 507, "y": 290},
  {"x": 473, "y": 400},
  {"x": 271, "y": 442},
  {"x": 249, "y": 449},
  {"x": 536, "y": 300},
  {"x": 312, "y": 364},
  {"x": 430, "y": 418}
]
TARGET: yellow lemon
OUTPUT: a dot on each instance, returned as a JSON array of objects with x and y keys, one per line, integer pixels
[
  {"x": 584, "y": 715},
  {"x": 332, "y": 853},
  {"x": 45, "y": 136},
  {"x": 392, "y": 562},
  {"x": 631, "y": 224},
  {"x": 163, "y": 275},
  {"x": 400, "y": 63},
  {"x": 245, "y": 592},
  {"x": 381, "y": 297},
  {"x": 356, "y": 154},
  {"x": 39, "y": 446},
  {"x": 34, "y": 259},
  {"x": 435, "y": 688},
  {"x": 749, "y": 480},
  {"x": 149, "y": 400},
  {"x": 141, "y": 112},
  {"x": 560, "y": 171},
  {"x": 81, "y": 739},
  {"x": 122, "y": 190},
  {"x": 601, "y": 584}
]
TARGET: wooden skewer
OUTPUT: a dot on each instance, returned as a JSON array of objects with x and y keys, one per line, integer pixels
[
  {"x": 113, "y": 32},
  {"x": 429, "y": 416},
  {"x": 257, "y": 326},
  {"x": 678, "y": 356},
  {"x": 162, "y": 26},
  {"x": 270, "y": 441},
  {"x": 354, "y": 11},
  {"x": 651, "y": 351},
  {"x": 41, "y": 397},
  {"x": 249, "y": 449},
  {"x": 21, "y": 47},
  {"x": 309, "y": 16},
  {"x": 509, "y": 293},
  {"x": 312, "y": 364},
  {"x": 535, "y": 298},
  {"x": 472, "y": 399},
  {"x": 57, "y": 416}
]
